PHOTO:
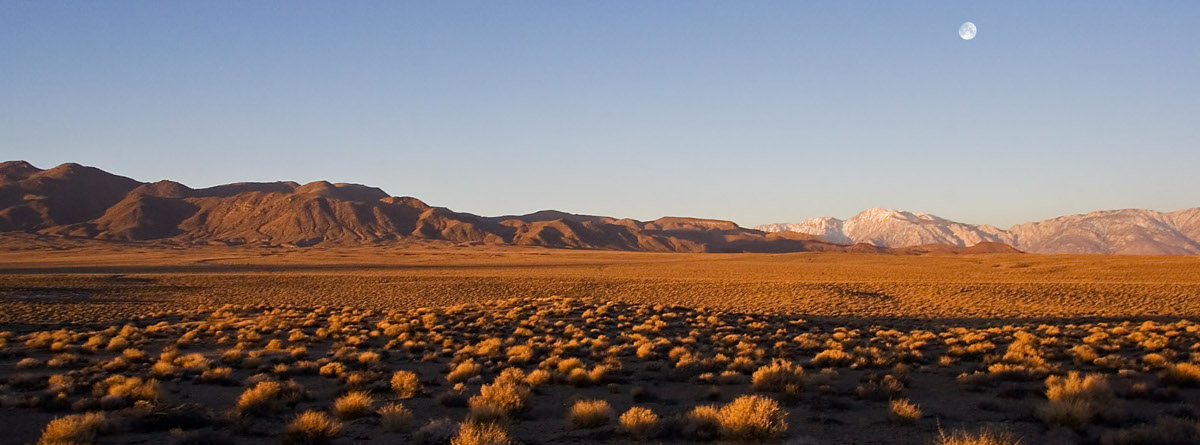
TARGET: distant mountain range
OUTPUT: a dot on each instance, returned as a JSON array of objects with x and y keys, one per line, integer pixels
[
  {"x": 75, "y": 201},
  {"x": 80, "y": 202},
  {"x": 1126, "y": 232}
]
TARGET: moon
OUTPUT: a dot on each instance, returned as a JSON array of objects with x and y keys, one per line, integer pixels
[{"x": 967, "y": 31}]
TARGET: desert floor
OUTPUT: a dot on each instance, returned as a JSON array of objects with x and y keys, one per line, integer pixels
[{"x": 228, "y": 345}]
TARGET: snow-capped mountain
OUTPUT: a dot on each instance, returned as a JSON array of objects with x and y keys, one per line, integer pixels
[{"x": 1128, "y": 231}]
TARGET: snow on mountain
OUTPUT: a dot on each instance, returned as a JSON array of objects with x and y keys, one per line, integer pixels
[
  {"x": 828, "y": 229},
  {"x": 1128, "y": 231}
]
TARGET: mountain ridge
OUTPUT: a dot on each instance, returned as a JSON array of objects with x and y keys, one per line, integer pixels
[
  {"x": 78, "y": 202},
  {"x": 1121, "y": 231},
  {"x": 81, "y": 202}
]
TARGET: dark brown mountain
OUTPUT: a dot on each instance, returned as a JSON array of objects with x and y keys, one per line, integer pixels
[
  {"x": 35, "y": 199},
  {"x": 84, "y": 202}
]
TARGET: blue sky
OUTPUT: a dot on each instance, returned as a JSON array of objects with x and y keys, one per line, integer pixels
[{"x": 750, "y": 111}]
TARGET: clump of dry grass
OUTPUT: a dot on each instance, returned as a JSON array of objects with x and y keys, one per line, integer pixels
[
  {"x": 262, "y": 398},
  {"x": 537, "y": 377},
  {"x": 985, "y": 437},
  {"x": 129, "y": 389},
  {"x": 702, "y": 423},
  {"x": 508, "y": 393},
  {"x": 590, "y": 413},
  {"x": 1075, "y": 400},
  {"x": 905, "y": 411},
  {"x": 1183, "y": 374},
  {"x": 77, "y": 429},
  {"x": 832, "y": 357},
  {"x": 406, "y": 384},
  {"x": 311, "y": 428},
  {"x": 481, "y": 433},
  {"x": 640, "y": 422},
  {"x": 777, "y": 376},
  {"x": 752, "y": 418},
  {"x": 395, "y": 417},
  {"x": 216, "y": 375},
  {"x": 353, "y": 405},
  {"x": 463, "y": 371}
]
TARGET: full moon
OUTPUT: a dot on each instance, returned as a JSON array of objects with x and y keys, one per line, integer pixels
[{"x": 967, "y": 31}]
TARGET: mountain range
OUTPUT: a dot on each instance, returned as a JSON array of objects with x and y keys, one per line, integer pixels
[
  {"x": 80, "y": 202},
  {"x": 1126, "y": 232}
]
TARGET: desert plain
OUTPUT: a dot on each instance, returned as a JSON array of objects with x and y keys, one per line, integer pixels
[{"x": 138, "y": 343}]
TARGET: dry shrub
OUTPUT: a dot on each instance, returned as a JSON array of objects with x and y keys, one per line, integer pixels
[
  {"x": 395, "y": 417},
  {"x": 519, "y": 354},
  {"x": 78, "y": 429},
  {"x": 262, "y": 398},
  {"x": 985, "y": 437},
  {"x": 832, "y": 357},
  {"x": 129, "y": 388},
  {"x": 1154, "y": 360},
  {"x": 479, "y": 433},
  {"x": 1076, "y": 400},
  {"x": 537, "y": 377},
  {"x": 216, "y": 375},
  {"x": 369, "y": 357},
  {"x": 1184, "y": 374},
  {"x": 590, "y": 413},
  {"x": 752, "y": 418},
  {"x": 1167, "y": 430},
  {"x": 406, "y": 384},
  {"x": 777, "y": 376},
  {"x": 353, "y": 405},
  {"x": 463, "y": 371},
  {"x": 311, "y": 428},
  {"x": 506, "y": 394},
  {"x": 702, "y": 423},
  {"x": 332, "y": 369},
  {"x": 565, "y": 366},
  {"x": 640, "y": 422},
  {"x": 905, "y": 411}
]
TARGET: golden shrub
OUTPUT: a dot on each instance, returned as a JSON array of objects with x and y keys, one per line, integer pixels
[
  {"x": 77, "y": 429},
  {"x": 905, "y": 411},
  {"x": 261, "y": 398},
  {"x": 477, "y": 433},
  {"x": 640, "y": 422},
  {"x": 777, "y": 376},
  {"x": 353, "y": 405},
  {"x": 752, "y": 418},
  {"x": 1185, "y": 374},
  {"x": 463, "y": 371},
  {"x": 590, "y": 413},
  {"x": 985, "y": 437},
  {"x": 1075, "y": 400},
  {"x": 311, "y": 428},
  {"x": 406, "y": 384}
]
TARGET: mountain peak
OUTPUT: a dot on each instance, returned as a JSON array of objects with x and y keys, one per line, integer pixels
[{"x": 16, "y": 170}]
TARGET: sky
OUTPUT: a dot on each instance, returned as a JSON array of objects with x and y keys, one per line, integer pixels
[{"x": 754, "y": 112}]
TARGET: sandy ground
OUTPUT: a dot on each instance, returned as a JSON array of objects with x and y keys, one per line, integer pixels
[{"x": 102, "y": 283}]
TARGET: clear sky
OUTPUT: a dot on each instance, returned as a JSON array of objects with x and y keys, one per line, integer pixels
[{"x": 754, "y": 112}]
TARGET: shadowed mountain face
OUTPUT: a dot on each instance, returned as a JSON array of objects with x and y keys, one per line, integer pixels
[
  {"x": 84, "y": 202},
  {"x": 1127, "y": 232}
]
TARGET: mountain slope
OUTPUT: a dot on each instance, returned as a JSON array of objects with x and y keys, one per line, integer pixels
[{"x": 1128, "y": 231}]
